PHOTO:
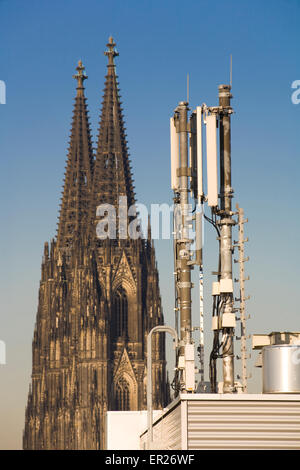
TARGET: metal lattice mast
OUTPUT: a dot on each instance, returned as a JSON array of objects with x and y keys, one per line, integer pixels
[
  {"x": 243, "y": 298},
  {"x": 201, "y": 345}
]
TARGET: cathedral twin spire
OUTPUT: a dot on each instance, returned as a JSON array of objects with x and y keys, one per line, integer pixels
[
  {"x": 97, "y": 300},
  {"x": 90, "y": 181}
]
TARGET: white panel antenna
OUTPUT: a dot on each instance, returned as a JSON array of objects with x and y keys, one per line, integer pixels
[
  {"x": 199, "y": 237},
  {"x": 199, "y": 154},
  {"x": 193, "y": 153},
  {"x": 174, "y": 136},
  {"x": 212, "y": 163}
]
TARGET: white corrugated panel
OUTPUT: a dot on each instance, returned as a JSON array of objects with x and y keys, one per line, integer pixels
[
  {"x": 243, "y": 424},
  {"x": 166, "y": 431},
  {"x": 217, "y": 421}
]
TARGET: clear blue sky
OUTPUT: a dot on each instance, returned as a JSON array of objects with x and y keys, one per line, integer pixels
[{"x": 159, "y": 43}]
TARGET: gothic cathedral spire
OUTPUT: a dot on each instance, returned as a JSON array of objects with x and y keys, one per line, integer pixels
[
  {"x": 75, "y": 204},
  {"x": 112, "y": 174}
]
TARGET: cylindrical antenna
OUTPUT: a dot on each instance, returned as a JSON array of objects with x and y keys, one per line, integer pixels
[
  {"x": 174, "y": 137},
  {"x": 212, "y": 160},
  {"x": 188, "y": 88},
  {"x": 230, "y": 70}
]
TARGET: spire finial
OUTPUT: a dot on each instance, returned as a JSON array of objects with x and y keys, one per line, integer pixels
[
  {"x": 80, "y": 76},
  {"x": 112, "y": 52},
  {"x": 149, "y": 236}
]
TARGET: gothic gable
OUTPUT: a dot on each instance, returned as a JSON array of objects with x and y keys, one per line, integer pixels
[
  {"x": 124, "y": 372},
  {"x": 124, "y": 365},
  {"x": 123, "y": 275}
]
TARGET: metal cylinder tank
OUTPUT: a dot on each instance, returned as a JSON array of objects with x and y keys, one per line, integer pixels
[{"x": 281, "y": 368}]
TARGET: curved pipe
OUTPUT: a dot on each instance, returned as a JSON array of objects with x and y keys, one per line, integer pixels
[{"x": 159, "y": 328}]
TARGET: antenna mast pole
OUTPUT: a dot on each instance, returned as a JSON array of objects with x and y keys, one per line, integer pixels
[
  {"x": 180, "y": 184},
  {"x": 225, "y": 223},
  {"x": 184, "y": 241}
]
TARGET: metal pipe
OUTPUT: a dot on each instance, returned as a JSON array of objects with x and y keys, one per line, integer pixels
[
  {"x": 226, "y": 222},
  {"x": 184, "y": 242},
  {"x": 159, "y": 328}
]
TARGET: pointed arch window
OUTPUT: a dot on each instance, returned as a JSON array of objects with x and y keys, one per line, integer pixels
[
  {"x": 122, "y": 395},
  {"x": 120, "y": 313}
]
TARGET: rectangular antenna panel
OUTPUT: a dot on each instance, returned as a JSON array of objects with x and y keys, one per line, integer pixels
[
  {"x": 193, "y": 153},
  {"x": 174, "y": 136},
  {"x": 199, "y": 237},
  {"x": 215, "y": 288},
  {"x": 199, "y": 152},
  {"x": 212, "y": 162},
  {"x": 228, "y": 320},
  {"x": 189, "y": 351},
  {"x": 226, "y": 286}
]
